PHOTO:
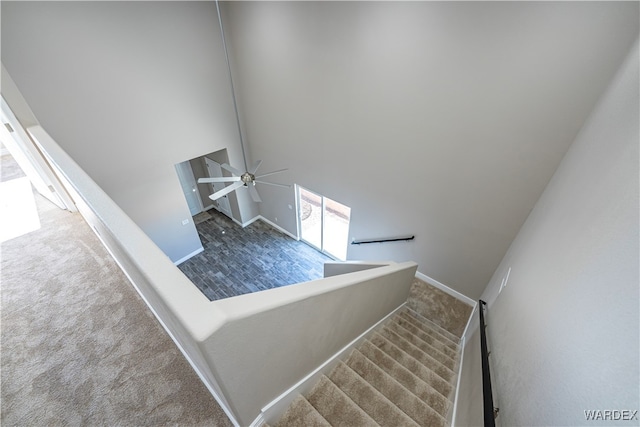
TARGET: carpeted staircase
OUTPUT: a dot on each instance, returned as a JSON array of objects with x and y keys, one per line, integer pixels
[{"x": 404, "y": 374}]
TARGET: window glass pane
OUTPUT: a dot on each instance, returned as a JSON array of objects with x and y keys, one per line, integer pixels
[
  {"x": 311, "y": 217},
  {"x": 336, "y": 228}
]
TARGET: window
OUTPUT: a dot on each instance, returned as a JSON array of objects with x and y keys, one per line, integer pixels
[{"x": 324, "y": 223}]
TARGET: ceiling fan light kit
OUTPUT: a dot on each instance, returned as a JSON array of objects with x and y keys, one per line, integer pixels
[
  {"x": 247, "y": 179},
  {"x": 239, "y": 179}
]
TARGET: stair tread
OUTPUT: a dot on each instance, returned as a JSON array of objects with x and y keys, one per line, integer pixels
[
  {"x": 430, "y": 328},
  {"x": 408, "y": 402},
  {"x": 374, "y": 403},
  {"x": 336, "y": 407},
  {"x": 412, "y": 364},
  {"x": 412, "y": 382},
  {"x": 432, "y": 325},
  {"x": 443, "y": 371},
  {"x": 436, "y": 343},
  {"x": 430, "y": 363},
  {"x": 301, "y": 413},
  {"x": 422, "y": 345}
]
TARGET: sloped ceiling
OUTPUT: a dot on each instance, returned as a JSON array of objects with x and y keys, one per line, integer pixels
[{"x": 441, "y": 119}]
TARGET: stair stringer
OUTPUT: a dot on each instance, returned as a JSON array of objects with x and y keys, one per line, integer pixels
[{"x": 272, "y": 412}]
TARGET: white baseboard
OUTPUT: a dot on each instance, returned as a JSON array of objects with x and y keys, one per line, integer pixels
[
  {"x": 445, "y": 289},
  {"x": 274, "y": 410},
  {"x": 191, "y": 255},
  {"x": 466, "y": 328},
  {"x": 248, "y": 223},
  {"x": 455, "y": 398},
  {"x": 261, "y": 218},
  {"x": 276, "y": 226}
]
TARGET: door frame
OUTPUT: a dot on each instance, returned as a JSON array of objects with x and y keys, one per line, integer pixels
[
  {"x": 32, "y": 162},
  {"x": 321, "y": 249},
  {"x": 299, "y": 218},
  {"x": 188, "y": 185},
  {"x": 216, "y": 203}
]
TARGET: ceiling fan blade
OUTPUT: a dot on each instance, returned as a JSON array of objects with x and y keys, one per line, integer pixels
[
  {"x": 255, "y": 167},
  {"x": 231, "y": 169},
  {"x": 228, "y": 189},
  {"x": 254, "y": 193},
  {"x": 272, "y": 173},
  {"x": 274, "y": 184},
  {"x": 219, "y": 179}
]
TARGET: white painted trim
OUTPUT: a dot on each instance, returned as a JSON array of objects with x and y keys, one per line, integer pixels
[
  {"x": 235, "y": 220},
  {"x": 296, "y": 200},
  {"x": 259, "y": 421},
  {"x": 248, "y": 223},
  {"x": 261, "y": 218},
  {"x": 466, "y": 328},
  {"x": 445, "y": 288},
  {"x": 455, "y": 399},
  {"x": 463, "y": 343},
  {"x": 272, "y": 412},
  {"x": 191, "y": 255},
  {"x": 277, "y": 227}
]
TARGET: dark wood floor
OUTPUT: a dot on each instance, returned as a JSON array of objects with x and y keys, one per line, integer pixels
[{"x": 240, "y": 260}]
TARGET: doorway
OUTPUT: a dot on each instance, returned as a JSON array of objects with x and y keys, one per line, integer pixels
[
  {"x": 324, "y": 223},
  {"x": 197, "y": 195},
  {"x": 215, "y": 171},
  {"x": 189, "y": 187},
  {"x": 15, "y": 139}
]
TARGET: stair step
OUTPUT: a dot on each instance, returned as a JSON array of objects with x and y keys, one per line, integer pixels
[
  {"x": 374, "y": 403},
  {"x": 408, "y": 402},
  {"x": 429, "y": 339},
  {"x": 434, "y": 326},
  {"x": 429, "y": 328},
  {"x": 301, "y": 413},
  {"x": 432, "y": 397},
  {"x": 422, "y": 345},
  {"x": 336, "y": 407},
  {"x": 428, "y": 361},
  {"x": 412, "y": 364}
]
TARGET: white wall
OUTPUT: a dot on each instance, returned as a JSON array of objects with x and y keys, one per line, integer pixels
[
  {"x": 12, "y": 95},
  {"x": 441, "y": 119},
  {"x": 564, "y": 332},
  {"x": 128, "y": 89}
]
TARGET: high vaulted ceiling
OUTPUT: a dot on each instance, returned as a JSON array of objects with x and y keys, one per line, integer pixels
[{"x": 441, "y": 119}]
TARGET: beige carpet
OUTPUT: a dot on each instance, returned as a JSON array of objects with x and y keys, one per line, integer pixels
[
  {"x": 79, "y": 346},
  {"x": 441, "y": 308},
  {"x": 402, "y": 375}
]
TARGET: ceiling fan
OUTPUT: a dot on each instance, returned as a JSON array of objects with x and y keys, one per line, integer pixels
[
  {"x": 247, "y": 179},
  {"x": 239, "y": 179}
]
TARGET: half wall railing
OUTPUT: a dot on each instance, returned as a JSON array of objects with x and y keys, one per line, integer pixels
[{"x": 250, "y": 349}]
